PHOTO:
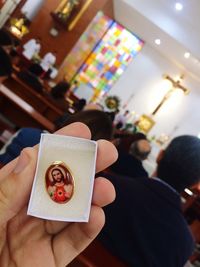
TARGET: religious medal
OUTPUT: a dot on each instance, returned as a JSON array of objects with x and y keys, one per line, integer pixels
[{"x": 59, "y": 182}]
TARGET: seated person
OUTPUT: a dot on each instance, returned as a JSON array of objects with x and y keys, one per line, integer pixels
[
  {"x": 60, "y": 90},
  {"x": 5, "y": 65},
  {"x": 125, "y": 139},
  {"x": 15, "y": 46},
  {"x": 121, "y": 118},
  {"x": 111, "y": 115},
  {"x": 130, "y": 164},
  {"x": 80, "y": 104},
  {"x": 31, "y": 48},
  {"x": 6, "y": 45},
  {"x": 36, "y": 69},
  {"x": 6, "y": 40},
  {"x": 57, "y": 96},
  {"x": 48, "y": 61},
  {"x": 32, "y": 80},
  {"x": 77, "y": 106},
  {"x": 145, "y": 226}
]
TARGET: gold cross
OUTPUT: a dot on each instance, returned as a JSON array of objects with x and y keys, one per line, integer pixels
[{"x": 175, "y": 85}]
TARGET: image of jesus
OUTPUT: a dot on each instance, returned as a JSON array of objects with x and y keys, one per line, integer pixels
[{"x": 60, "y": 187}]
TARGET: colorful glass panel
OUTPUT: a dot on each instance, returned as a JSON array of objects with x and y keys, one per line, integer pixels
[
  {"x": 88, "y": 40},
  {"x": 110, "y": 58}
]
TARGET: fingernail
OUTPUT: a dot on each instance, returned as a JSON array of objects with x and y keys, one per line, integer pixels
[{"x": 22, "y": 162}]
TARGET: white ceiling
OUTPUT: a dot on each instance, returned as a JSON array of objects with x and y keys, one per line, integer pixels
[{"x": 178, "y": 30}]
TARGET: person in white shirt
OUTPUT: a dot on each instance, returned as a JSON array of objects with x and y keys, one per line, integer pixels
[
  {"x": 31, "y": 48},
  {"x": 121, "y": 118},
  {"x": 48, "y": 61}
]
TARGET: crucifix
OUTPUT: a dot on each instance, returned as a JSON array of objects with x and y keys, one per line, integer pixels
[
  {"x": 175, "y": 85},
  {"x": 145, "y": 123}
]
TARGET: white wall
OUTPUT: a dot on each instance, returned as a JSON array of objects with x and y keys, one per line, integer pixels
[
  {"x": 7, "y": 10},
  {"x": 31, "y": 8},
  {"x": 143, "y": 78}
]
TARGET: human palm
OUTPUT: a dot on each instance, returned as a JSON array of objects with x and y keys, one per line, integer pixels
[{"x": 27, "y": 241}]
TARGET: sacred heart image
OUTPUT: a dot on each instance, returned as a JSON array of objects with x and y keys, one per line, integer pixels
[{"x": 59, "y": 182}]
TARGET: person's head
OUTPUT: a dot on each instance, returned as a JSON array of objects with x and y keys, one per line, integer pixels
[
  {"x": 80, "y": 104},
  {"x": 179, "y": 164},
  {"x": 60, "y": 89},
  {"x": 38, "y": 40},
  {"x": 126, "y": 112},
  {"x": 27, "y": 22},
  {"x": 96, "y": 106},
  {"x": 119, "y": 125},
  {"x": 57, "y": 175},
  {"x": 54, "y": 52},
  {"x": 5, "y": 39},
  {"x": 126, "y": 139},
  {"x": 140, "y": 149},
  {"x": 98, "y": 122}
]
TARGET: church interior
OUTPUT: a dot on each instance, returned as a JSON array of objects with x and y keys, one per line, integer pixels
[{"x": 138, "y": 62}]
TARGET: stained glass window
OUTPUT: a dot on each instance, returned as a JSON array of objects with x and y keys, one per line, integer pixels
[
  {"x": 88, "y": 40},
  {"x": 109, "y": 58}
]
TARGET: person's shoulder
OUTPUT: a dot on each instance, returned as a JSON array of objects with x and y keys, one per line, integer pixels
[
  {"x": 142, "y": 184},
  {"x": 163, "y": 191},
  {"x": 125, "y": 182}
]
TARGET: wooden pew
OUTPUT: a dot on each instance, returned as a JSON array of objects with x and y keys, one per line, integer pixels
[
  {"x": 20, "y": 112},
  {"x": 95, "y": 255},
  {"x": 32, "y": 97}
]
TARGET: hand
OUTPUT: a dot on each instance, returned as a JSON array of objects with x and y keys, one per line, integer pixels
[{"x": 27, "y": 241}]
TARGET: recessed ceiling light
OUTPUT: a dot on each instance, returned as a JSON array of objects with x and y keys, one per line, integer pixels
[
  {"x": 178, "y": 6},
  {"x": 187, "y": 55},
  {"x": 157, "y": 41}
]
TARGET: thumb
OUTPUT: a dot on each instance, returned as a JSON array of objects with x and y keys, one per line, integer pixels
[{"x": 15, "y": 188}]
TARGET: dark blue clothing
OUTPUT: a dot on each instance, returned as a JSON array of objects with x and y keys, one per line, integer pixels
[
  {"x": 128, "y": 165},
  {"x": 25, "y": 137},
  {"x": 145, "y": 226}
]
